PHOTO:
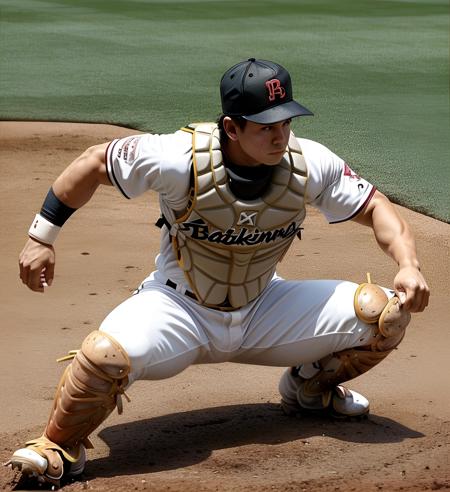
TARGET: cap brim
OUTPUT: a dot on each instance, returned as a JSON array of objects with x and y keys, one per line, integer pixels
[{"x": 279, "y": 113}]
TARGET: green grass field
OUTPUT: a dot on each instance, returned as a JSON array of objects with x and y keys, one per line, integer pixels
[{"x": 375, "y": 73}]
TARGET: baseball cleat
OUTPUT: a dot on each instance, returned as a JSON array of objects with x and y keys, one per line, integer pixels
[
  {"x": 28, "y": 462},
  {"x": 348, "y": 403},
  {"x": 340, "y": 403},
  {"x": 47, "y": 467},
  {"x": 299, "y": 397}
]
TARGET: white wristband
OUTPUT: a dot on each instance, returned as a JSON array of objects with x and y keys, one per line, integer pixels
[{"x": 43, "y": 230}]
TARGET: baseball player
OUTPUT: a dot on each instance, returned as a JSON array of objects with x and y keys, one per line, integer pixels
[{"x": 232, "y": 197}]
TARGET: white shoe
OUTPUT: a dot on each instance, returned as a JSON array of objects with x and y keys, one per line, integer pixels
[
  {"x": 339, "y": 402},
  {"x": 46, "y": 469},
  {"x": 349, "y": 403},
  {"x": 28, "y": 462}
]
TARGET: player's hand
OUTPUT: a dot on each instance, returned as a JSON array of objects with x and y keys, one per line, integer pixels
[
  {"x": 37, "y": 265},
  {"x": 412, "y": 289}
]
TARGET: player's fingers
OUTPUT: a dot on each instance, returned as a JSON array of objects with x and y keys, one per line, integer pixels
[
  {"x": 411, "y": 300},
  {"x": 424, "y": 298},
  {"x": 24, "y": 269},
  {"x": 42, "y": 280},
  {"x": 407, "y": 298},
  {"x": 416, "y": 298},
  {"x": 23, "y": 273},
  {"x": 49, "y": 273},
  {"x": 402, "y": 296},
  {"x": 34, "y": 280},
  {"x": 425, "y": 301}
]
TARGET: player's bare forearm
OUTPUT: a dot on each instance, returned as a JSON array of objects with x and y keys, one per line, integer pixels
[
  {"x": 78, "y": 182},
  {"x": 73, "y": 188},
  {"x": 395, "y": 237},
  {"x": 391, "y": 231}
]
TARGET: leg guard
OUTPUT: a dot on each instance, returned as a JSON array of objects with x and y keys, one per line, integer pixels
[
  {"x": 88, "y": 392},
  {"x": 323, "y": 390}
]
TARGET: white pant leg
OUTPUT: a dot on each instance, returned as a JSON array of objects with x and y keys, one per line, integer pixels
[
  {"x": 159, "y": 334},
  {"x": 299, "y": 322},
  {"x": 292, "y": 323}
]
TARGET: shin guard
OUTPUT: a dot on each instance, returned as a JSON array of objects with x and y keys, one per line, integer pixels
[
  {"x": 373, "y": 307},
  {"x": 88, "y": 392}
]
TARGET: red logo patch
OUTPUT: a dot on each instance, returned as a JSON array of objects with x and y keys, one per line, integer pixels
[
  {"x": 275, "y": 89},
  {"x": 349, "y": 172}
]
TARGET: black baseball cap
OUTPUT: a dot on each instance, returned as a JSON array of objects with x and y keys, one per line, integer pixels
[{"x": 259, "y": 91}]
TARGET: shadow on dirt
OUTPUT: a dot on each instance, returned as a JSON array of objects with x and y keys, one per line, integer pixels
[{"x": 183, "y": 439}]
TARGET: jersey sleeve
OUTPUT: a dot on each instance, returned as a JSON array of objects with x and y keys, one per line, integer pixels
[
  {"x": 333, "y": 187},
  {"x": 161, "y": 163}
]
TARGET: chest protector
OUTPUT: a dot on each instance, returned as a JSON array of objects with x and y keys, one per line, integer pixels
[{"x": 228, "y": 248}]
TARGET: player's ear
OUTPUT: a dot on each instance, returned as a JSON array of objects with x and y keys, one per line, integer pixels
[{"x": 230, "y": 128}]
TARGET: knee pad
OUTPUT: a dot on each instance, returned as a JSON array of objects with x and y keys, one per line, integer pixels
[
  {"x": 372, "y": 306},
  {"x": 105, "y": 355}
]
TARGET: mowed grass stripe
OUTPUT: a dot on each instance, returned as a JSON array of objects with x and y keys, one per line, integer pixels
[{"x": 374, "y": 72}]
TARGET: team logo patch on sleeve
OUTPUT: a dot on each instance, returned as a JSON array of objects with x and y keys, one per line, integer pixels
[
  {"x": 356, "y": 183},
  {"x": 348, "y": 171},
  {"x": 128, "y": 149}
]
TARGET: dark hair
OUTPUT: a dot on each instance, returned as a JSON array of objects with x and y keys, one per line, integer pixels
[{"x": 239, "y": 120}]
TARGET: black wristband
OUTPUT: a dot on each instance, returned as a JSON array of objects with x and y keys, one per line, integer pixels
[{"x": 54, "y": 210}]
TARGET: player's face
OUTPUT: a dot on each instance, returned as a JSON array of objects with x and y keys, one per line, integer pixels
[{"x": 263, "y": 144}]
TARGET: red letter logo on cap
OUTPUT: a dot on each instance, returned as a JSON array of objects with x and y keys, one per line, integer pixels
[{"x": 275, "y": 89}]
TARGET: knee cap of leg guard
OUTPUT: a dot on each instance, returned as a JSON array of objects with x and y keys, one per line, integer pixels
[
  {"x": 107, "y": 354},
  {"x": 369, "y": 302},
  {"x": 372, "y": 305}
]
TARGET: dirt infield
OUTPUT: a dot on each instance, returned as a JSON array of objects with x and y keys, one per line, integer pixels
[{"x": 217, "y": 427}]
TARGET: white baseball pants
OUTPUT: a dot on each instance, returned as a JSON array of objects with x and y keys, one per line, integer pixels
[{"x": 291, "y": 323}]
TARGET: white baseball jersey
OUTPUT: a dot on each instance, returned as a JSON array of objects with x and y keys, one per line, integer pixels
[
  {"x": 291, "y": 322},
  {"x": 162, "y": 163}
]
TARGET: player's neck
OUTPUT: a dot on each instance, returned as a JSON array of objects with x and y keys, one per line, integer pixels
[{"x": 233, "y": 153}]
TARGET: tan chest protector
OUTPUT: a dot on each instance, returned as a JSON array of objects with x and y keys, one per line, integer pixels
[{"x": 228, "y": 248}]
